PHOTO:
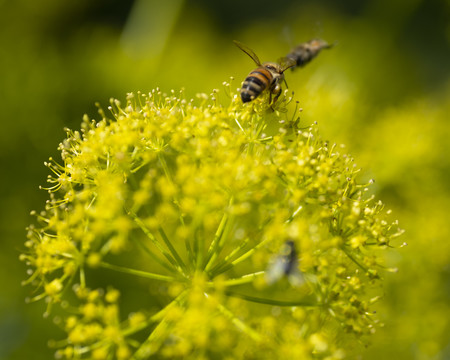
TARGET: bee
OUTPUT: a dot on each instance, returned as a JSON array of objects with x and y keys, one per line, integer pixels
[
  {"x": 268, "y": 75},
  {"x": 305, "y": 52},
  {"x": 285, "y": 264}
]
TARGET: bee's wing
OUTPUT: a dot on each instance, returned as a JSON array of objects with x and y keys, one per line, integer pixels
[
  {"x": 276, "y": 270},
  {"x": 248, "y": 51},
  {"x": 296, "y": 277},
  {"x": 286, "y": 63}
]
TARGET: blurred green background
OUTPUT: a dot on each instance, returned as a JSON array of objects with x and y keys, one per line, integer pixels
[{"x": 384, "y": 91}]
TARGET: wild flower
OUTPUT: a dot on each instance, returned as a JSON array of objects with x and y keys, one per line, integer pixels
[{"x": 163, "y": 220}]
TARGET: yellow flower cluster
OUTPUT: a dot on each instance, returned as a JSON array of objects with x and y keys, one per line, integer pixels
[{"x": 178, "y": 209}]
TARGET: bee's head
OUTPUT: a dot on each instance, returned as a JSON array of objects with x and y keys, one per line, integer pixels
[{"x": 273, "y": 67}]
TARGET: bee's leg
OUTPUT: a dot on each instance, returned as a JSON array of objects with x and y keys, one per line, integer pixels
[
  {"x": 277, "y": 95},
  {"x": 277, "y": 92}
]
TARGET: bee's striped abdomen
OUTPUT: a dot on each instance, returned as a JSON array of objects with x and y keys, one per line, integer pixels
[
  {"x": 301, "y": 55},
  {"x": 304, "y": 53},
  {"x": 255, "y": 83}
]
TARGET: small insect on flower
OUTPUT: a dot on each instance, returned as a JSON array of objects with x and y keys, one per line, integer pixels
[
  {"x": 305, "y": 52},
  {"x": 285, "y": 264},
  {"x": 268, "y": 75}
]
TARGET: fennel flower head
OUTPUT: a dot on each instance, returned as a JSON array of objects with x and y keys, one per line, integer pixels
[{"x": 206, "y": 229}]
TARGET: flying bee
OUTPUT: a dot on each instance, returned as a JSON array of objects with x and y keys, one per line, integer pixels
[
  {"x": 268, "y": 75},
  {"x": 285, "y": 264},
  {"x": 305, "y": 52}
]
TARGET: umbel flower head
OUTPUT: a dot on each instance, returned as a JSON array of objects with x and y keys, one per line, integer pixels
[{"x": 206, "y": 229}]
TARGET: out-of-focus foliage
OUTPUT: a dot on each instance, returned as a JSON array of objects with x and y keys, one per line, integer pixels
[{"x": 383, "y": 91}]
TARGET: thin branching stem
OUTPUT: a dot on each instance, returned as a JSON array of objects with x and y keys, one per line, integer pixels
[
  {"x": 229, "y": 258},
  {"x": 171, "y": 247},
  {"x": 152, "y": 238},
  {"x": 239, "y": 259},
  {"x": 353, "y": 258},
  {"x": 268, "y": 301},
  {"x": 244, "y": 279},
  {"x": 140, "y": 273},
  {"x": 214, "y": 248},
  {"x": 239, "y": 323}
]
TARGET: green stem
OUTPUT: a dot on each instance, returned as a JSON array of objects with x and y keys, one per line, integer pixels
[
  {"x": 169, "y": 177},
  {"x": 239, "y": 323},
  {"x": 160, "y": 332},
  {"x": 158, "y": 316},
  {"x": 82, "y": 277},
  {"x": 167, "y": 266},
  {"x": 227, "y": 260},
  {"x": 244, "y": 279},
  {"x": 164, "y": 165},
  {"x": 140, "y": 273},
  {"x": 240, "y": 259},
  {"x": 171, "y": 248},
  {"x": 294, "y": 214},
  {"x": 214, "y": 248},
  {"x": 152, "y": 344},
  {"x": 274, "y": 302},
  {"x": 352, "y": 258},
  {"x": 190, "y": 253},
  {"x": 261, "y": 126},
  {"x": 258, "y": 128},
  {"x": 152, "y": 238},
  {"x": 199, "y": 242}
]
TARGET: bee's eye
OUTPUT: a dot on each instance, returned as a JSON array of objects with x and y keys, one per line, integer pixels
[{"x": 271, "y": 67}]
